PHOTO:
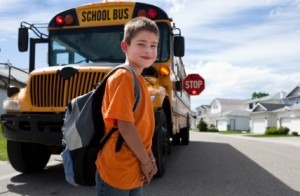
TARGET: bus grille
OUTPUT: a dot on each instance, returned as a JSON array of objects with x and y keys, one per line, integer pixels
[{"x": 51, "y": 90}]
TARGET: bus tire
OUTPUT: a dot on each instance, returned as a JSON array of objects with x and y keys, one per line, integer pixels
[
  {"x": 185, "y": 132},
  {"x": 185, "y": 136},
  {"x": 159, "y": 147},
  {"x": 27, "y": 157},
  {"x": 176, "y": 139}
]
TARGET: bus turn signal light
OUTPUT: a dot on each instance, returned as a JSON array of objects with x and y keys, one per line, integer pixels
[{"x": 164, "y": 71}]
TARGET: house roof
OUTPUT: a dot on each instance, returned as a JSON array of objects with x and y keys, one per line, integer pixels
[
  {"x": 17, "y": 75},
  {"x": 236, "y": 113},
  {"x": 288, "y": 108},
  {"x": 230, "y": 101},
  {"x": 276, "y": 96},
  {"x": 203, "y": 106},
  {"x": 268, "y": 106},
  {"x": 294, "y": 93}
]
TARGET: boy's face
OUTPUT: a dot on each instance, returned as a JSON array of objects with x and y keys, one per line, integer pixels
[{"x": 142, "y": 51}]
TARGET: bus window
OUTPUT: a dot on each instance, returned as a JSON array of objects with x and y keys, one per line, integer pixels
[{"x": 101, "y": 44}]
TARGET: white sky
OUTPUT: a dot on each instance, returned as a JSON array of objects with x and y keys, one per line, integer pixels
[{"x": 238, "y": 47}]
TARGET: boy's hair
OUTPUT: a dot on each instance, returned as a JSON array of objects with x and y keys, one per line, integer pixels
[{"x": 138, "y": 24}]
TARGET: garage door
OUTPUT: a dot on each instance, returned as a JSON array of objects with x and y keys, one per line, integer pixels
[
  {"x": 292, "y": 123},
  {"x": 222, "y": 125},
  {"x": 286, "y": 122},
  {"x": 259, "y": 125}
]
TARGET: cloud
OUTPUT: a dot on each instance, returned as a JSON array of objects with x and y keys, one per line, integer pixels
[
  {"x": 225, "y": 80},
  {"x": 239, "y": 47}
]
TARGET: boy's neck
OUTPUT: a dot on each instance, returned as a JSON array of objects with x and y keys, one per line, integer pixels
[{"x": 137, "y": 69}]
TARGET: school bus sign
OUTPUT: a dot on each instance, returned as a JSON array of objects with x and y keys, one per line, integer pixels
[{"x": 193, "y": 84}]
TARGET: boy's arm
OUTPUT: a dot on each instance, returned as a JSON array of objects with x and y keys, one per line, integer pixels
[{"x": 133, "y": 141}]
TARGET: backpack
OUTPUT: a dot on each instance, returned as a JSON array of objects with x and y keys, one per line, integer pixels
[{"x": 84, "y": 128}]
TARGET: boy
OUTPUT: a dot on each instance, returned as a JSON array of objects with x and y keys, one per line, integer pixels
[{"x": 124, "y": 172}]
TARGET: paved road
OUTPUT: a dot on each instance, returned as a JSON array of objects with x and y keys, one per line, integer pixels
[{"x": 211, "y": 165}]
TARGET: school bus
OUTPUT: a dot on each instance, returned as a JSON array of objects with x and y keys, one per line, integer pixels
[{"x": 83, "y": 45}]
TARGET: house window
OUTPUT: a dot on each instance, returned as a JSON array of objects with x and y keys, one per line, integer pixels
[{"x": 251, "y": 106}]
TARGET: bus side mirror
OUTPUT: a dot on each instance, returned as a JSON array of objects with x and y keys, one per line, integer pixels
[
  {"x": 23, "y": 39},
  {"x": 179, "y": 46},
  {"x": 178, "y": 85}
]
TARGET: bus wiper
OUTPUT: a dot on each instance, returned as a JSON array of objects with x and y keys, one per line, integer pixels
[
  {"x": 81, "y": 61},
  {"x": 108, "y": 59}
]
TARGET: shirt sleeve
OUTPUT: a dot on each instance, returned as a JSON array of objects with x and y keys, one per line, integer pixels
[{"x": 118, "y": 98}]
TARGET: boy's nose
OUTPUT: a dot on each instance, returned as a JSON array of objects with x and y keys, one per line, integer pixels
[{"x": 148, "y": 48}]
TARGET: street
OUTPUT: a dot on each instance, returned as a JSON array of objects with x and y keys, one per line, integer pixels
[{"x": 213, "y": 164}]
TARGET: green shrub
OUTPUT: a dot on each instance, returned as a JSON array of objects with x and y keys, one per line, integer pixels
[
  {"x": 294, "y": 133},
  {"x": 202, "y": 126},
  {"x": 3, "y": 153},
  {"x": 283, "y": 130},
  {"x": 212, "y": 128},
  {"x": 277, "y": 131},
  {"x": 271, "y": 131}
]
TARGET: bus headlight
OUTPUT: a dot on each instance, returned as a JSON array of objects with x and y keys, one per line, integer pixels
[{"x": 11, "y": 105}]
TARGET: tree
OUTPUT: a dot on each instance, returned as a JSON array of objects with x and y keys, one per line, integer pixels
[
  {"x": 202, "y": 126},
  {"x": 257, "y": 95}
]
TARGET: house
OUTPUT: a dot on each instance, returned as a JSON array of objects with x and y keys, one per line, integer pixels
[
  {"x": 193, "y": 119},
  {"x": 283, "y": 112},
  {"x": 274, "y": 98},
  {"x": 202, "y": 112},
  {"x": 263, "y": 116},
  {"x": 16, "y": 78},
  {"x": 280, "y": 110},
  {"x": 289, "y": 116},
  {"x": 226, "y": 114},
  {"x": 293, "y": 97}
]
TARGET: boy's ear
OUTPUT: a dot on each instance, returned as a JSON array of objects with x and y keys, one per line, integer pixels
[{"x": 124, "y": 46}]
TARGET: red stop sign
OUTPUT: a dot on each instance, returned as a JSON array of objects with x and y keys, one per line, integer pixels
[{"x": 193, "y": 84}]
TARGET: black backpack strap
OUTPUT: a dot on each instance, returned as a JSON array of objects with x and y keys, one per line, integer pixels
[
  {"x": 119, "y": 143},
  {"x": 105, "y": 139}
]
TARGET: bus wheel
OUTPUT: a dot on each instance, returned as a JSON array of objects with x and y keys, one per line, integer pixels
[
  {"x": 185, "y": 136},
  {"x": 176, "y": 139},
  {"x": 159, "y": 144},
  {"x": 27, "y": 157}
]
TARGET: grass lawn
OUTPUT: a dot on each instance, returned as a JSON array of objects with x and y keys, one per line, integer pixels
[
  {"x": 254, "y": 135},
  {"x": 3, "y": 154},
  {"x": 263, "y": 135},
  {"x": 232, "y": 132}
]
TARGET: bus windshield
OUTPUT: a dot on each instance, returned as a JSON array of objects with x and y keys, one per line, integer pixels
[{"x": 97, "y": 44}]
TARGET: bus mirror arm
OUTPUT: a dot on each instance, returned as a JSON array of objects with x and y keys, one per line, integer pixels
[{"x": 23, "y": 36}]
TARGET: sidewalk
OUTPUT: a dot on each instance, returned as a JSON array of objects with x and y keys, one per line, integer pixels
[{"x": 295, "y": 141}]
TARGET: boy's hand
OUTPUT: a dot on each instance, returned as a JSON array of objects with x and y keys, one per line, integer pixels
[{"x": 149, "y": 169}]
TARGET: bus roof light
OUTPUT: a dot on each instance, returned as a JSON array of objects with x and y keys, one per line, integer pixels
[
  {"x": 59, "y": 20},
  {"x": 142, "y": 13},
  {"x": 69, "y": 19},
  {"x": 152, "y": 13}
]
